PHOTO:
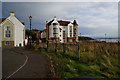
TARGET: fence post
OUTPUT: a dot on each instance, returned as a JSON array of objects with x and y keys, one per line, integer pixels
[
  {"x": 47, "y": 45},
  {"x": 78, "y": 51},
  {"x": 56, "y": 47},
  {"x": 63, "y": 47}
]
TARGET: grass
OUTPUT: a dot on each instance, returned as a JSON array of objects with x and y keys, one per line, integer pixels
[{"x": 98, "y": 60}]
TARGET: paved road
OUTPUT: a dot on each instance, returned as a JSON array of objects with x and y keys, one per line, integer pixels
[
  {"x": 37, "y": 65},
  {"x": 11, "y": 61}
]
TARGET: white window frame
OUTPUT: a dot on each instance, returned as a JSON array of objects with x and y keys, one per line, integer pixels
[
  {"x": 70, "y": 30},
  {"x": 7, "y": 32},
  {"x": 55, "y": 29},
  {"x": 63, "y": 34},
  {"x": 7, "y": 43}
]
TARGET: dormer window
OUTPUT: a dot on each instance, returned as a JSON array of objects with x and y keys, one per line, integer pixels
[{"x": 7, "y": 31}]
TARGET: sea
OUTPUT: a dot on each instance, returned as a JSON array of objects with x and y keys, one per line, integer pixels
[{"x": 109, "y": 40}]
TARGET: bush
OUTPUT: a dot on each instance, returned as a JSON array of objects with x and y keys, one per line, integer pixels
[{"x": 96, "y": 59}]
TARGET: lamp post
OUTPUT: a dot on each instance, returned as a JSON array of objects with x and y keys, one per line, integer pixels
[{"x": 30, "y": 18}]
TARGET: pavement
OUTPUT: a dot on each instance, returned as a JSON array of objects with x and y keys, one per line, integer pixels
[{"x": 36, "y": 66}]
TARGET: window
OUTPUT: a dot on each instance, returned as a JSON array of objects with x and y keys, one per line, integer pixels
[
  {"x": 63, "y": 27},
  {"x": 63, "y": 34},
  {"x": 70, "y": 34},
  {"x": 70, "y": 31},
  {"x": 60, "y": 35},
  {"x": 55, "y": 35},
  {"x": 7, "y": 43},
  {"x": 55, "y": 31},
  {"x": 7, "y": 31},
  {"x": 70, "y": 27}
]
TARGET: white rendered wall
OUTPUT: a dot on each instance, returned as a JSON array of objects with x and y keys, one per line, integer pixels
[
  {"x": 66, "y": 33},
  {"x": 51, "y": 28},
  {"x": 58, "y": 31},
  {"x": 43, "y": 34},
  {"x": 69, "y": 29},
  {"x": 19, "y": 34},
  {"x": 50, "y": 31},
  {"x": 64, "y": 28},
  {"x": 61, "y": 37},
  {"x": 61, "y": 33},
  {"x": 26, "y": 41}
]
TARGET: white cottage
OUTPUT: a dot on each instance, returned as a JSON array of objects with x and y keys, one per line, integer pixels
[{"x": 12, "y": 32}]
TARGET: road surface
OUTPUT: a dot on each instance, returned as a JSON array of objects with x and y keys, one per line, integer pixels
[{"x": 34, "y": 65}]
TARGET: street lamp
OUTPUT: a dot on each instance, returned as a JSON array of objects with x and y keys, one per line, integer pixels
[{"x": 30, "y": 18}]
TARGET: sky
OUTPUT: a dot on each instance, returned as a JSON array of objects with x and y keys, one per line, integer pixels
[
  {"x": 60, "y": 0},
  {"x": 94, "y": 18}
]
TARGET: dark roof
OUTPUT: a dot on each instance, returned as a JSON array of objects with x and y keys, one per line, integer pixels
[
  {"x": 2, "y": 19},
  {"x": 11, "y": 11},
  {"x": 50, "y": 22},
  {"x": 74, "y": 22},
  {"x": 62, "y": 23},
  {"x": 23, "y": 23}
]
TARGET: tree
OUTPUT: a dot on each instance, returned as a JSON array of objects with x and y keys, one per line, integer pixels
[{"x": 33, "y": 34}]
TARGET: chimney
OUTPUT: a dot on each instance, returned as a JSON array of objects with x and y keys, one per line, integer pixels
[
  {"x": 11, "y": 13},
  {"x": 54, "y": 17}
]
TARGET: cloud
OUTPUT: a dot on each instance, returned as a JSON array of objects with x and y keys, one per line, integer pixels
[
  {"x": 60, "y": 0},
  {"x": 94, "y": 18}
]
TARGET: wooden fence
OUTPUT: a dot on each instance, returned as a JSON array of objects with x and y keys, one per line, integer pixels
[{"x": 94, "y": 47}]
